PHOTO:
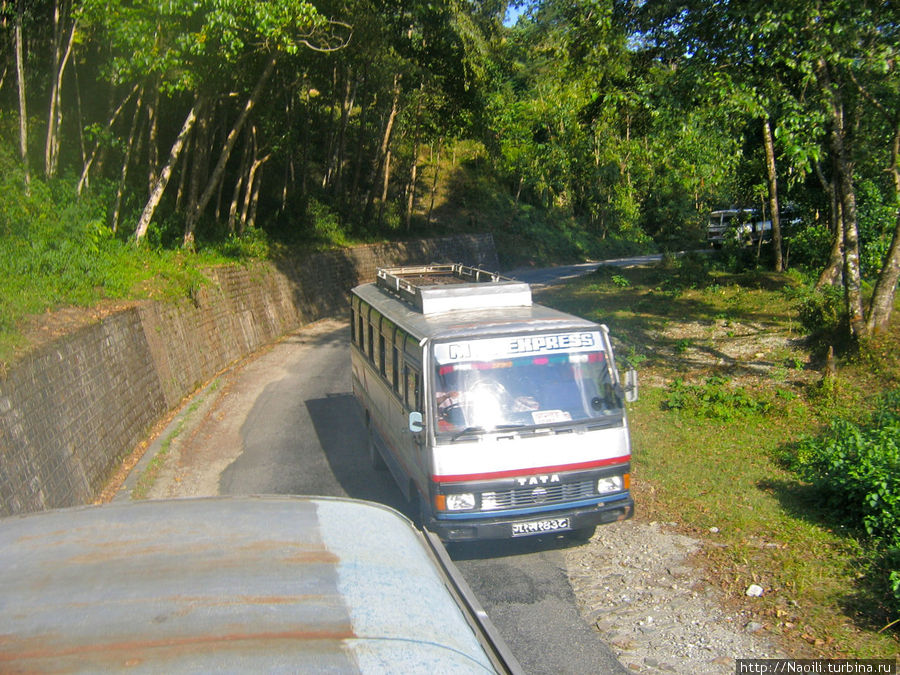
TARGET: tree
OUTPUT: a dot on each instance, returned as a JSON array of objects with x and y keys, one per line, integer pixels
[
  {"x": 20, "y": 82},
  {"x": 822, "y": 55}
]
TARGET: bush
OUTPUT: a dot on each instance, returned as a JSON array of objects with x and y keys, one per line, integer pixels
[
  {"x": 811, "y": 246},
  {"x": 856, "y": 468},
  {"x": 823, "y": 318},
  {"x": 714, "y": 399}
]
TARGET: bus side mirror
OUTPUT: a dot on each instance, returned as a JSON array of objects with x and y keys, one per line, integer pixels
[
  {"x": 631, "y": 385},
  {"x": 415, "y": 422}
]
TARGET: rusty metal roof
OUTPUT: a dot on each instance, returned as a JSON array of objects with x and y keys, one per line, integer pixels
[{"x": 268, "y": 584}]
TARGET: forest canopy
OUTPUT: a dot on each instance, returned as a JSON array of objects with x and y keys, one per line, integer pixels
[{"x": 606, "y": 124}]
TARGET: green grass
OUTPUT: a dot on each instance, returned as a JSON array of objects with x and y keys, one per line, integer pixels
[
  {"x": 147, "y": 479},
  {"x": 709, "y": 436}
]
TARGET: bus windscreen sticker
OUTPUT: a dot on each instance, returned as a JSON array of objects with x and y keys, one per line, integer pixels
[{"x": 519, "y": 345}]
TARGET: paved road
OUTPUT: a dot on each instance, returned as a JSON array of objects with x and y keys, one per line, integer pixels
[
  {"x": 550, "y": 275},
  {"x": 285, "y": 422}
]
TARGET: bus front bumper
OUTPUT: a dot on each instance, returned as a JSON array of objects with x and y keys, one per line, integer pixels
[{"x": 563, "y": 521}]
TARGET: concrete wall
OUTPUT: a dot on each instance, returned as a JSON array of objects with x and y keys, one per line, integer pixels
[{"x": 70, "y": 411}]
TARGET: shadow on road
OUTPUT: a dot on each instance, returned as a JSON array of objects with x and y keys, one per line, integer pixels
[
  {"x": 341, "y": 431},
  {"x": 506, "y": 548}
]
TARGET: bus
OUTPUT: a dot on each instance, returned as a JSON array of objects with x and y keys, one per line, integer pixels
[{"x": 497, "y": 417}]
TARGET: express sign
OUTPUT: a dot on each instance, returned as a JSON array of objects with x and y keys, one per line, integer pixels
[{"x": 510, "y": 347}]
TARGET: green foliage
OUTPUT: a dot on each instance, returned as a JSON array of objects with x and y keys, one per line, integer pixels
[
  {"x": 811, "y": 246},
  {"x": 877, "y": 218},
  {"x": 823, "y": 318},
  {"x": 57, "y": 251},
  {"x": 324, "y": 225},
  {"x": 714, "y": 399},
  {"x": 254, "y": 244},
  {"x": 855, "y": 466}
]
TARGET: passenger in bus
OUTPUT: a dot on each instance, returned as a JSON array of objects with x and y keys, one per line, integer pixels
[{"x": 448, "y": 409}]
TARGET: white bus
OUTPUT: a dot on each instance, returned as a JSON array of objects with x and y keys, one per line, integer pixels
[{"x": 498, "y": 417}]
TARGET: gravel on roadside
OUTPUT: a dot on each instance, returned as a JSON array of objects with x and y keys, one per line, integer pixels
[{"x": 635, "y": 583}]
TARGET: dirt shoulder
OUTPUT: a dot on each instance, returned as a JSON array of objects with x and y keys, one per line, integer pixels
[{"x": 637, "y": 582}]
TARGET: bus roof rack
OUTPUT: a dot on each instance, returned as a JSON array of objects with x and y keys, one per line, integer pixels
[{"x": 436, "y": 288}]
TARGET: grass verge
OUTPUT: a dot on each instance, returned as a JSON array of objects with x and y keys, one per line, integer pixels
[
  {"x": 727, "y": 388},
  {"x": 147, "y": 479}
]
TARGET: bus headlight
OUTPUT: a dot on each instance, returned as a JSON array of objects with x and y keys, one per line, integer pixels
[
  {"x": 609, "y": 484},
  {"x": 462, "y": 501}
]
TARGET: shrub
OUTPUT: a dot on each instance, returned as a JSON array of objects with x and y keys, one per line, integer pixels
[
  {"x": 714, "y": 399},
  {"x": 823, "y": 318},
  {"x": 856, "y": 468}
]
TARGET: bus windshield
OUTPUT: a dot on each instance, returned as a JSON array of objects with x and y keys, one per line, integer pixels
[{"x": 542, "y": 388}]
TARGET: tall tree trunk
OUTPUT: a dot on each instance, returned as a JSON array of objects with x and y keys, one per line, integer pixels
[
  {"x": 330, "y": 130},
  {"x": 231, "y": 139},
  {"x": 337, "y": 182},
  {"x": 411, "y": 189},
  {"x": 239, "y": 186},
  {"x": 360, "y": 141},
  {"x": 414, "y": 172},
  {"x": 89, "y": 163},
  {"x": 20, "y": 79},
  {"x": 163, "y": 180},
  {"x": 4, "y": 48},
  {"x": 251, "y": 196},
  {"x": 200, "y": 165},
  {"x": 305, "y": 141},
  {"x": 254, "y": 202},
  {"x": 153, "y": 137},
  {"x": 436, "y": 161},
  {"x": 774, "y": 211},
  {"x": 387, "y": 178},
  {"x": 833, "y": 273},
  {"x": 882, "y": 304},
  {"x": 189, "y": 155},
  {"x": 54, "y": 118},
  {"x": 844, "y": 182},
  {"x": 129, "y": 147},
  {"x": 380, "y": 164}
]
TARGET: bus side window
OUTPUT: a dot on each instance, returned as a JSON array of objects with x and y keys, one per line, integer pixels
[
  {"x": 399, "y": 377},
  {"x": 353, "y": 325},
  {"x": 386, "y": 337},
  {"x": 395, "y": 368},
  {"x": 361, "y": 322},
  {"x": 406, "y": 385},
  {"x": 370, "y": 350},
  {"x": 413, "y": 389}
]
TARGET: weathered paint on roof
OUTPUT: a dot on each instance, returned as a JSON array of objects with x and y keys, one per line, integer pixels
[{"x": 273, "y": 584}]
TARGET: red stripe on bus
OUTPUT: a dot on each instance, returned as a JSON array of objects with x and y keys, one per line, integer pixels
[{"x": 529, "y": 472}]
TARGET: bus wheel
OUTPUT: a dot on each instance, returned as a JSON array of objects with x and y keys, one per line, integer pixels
[
  {"x": 375, "y": 457},
  {"x": 417, "y": 509}
]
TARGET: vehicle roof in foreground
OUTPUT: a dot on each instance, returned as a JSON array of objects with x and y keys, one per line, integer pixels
[{"x": 274, "y": 584}]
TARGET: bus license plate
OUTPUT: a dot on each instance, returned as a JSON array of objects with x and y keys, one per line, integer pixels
[{"x": 540, "y": 526}]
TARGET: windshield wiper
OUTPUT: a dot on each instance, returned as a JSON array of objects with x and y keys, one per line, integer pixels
[
  {"x": 481, "y": 429},
  {"x": 467, "y": 430}
]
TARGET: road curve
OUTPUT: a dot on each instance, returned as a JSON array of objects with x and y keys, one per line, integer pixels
[{"x": 284, "y": 421}]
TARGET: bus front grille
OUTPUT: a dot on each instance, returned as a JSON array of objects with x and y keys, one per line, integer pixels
[{"x": 535, "y": 495}]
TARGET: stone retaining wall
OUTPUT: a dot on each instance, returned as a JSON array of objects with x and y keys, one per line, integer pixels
[{"x": 70, "y": 411}]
